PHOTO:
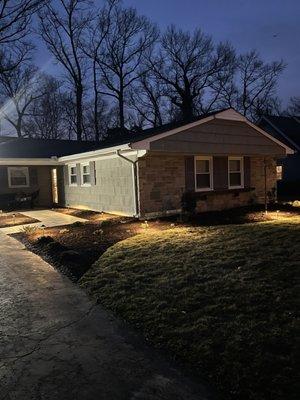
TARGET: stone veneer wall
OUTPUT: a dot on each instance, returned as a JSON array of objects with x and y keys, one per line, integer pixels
[{"x": 162, "y": 182}]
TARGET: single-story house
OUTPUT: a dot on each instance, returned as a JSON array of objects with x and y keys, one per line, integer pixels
[
  {"x": 221, "y": 159},
  {"x": 287, "y": 130}
]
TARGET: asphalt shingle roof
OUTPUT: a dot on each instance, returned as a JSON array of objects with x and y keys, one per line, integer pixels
[{"x": 42, "y": 148}]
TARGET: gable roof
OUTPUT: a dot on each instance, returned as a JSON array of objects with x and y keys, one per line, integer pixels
[
  {"x": 225, "y": 114},
  {"x": 42, "y": 148},
  {"x": 286, "y": 129}
]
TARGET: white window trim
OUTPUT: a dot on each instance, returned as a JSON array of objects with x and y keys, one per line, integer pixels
[
  {"x": 241, "y": 186},
  {"x": 9, "y": 171},
  {"x": 211, "y": 173},
  {"x": 69, "y": 173},
  {"x": 81, "y": 170}
]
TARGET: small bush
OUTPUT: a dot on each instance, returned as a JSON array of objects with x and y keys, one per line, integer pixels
[
  {"x": 65, "y": 230},
  {"x": 107, "y": 222},
  {"x": 29, "y": 229},
  {"x": 98, "y": 232},
  {"x": 77, "y": 224},
  {"x": 43, "y": 240}
]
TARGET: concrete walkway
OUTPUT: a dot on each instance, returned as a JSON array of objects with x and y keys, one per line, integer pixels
[
  {"x": 56, "y": 344},
  {"x": 46, "y": 217}
]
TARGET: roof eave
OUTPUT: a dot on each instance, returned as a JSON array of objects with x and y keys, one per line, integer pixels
[
  {"x": 29, "y": 161},
  {"x": 95, "y": 153}
]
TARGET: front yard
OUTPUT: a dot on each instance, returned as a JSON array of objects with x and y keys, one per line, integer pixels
[{"x": 223, "y": 300}]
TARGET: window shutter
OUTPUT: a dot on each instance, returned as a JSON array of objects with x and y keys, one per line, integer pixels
[
  {"x": 247, "y": 172},
  {"x": 93, "y": 173},
  {"x": 33, "y": 176},
  {"x": 189, "y": 174},
  {"x": 220, "y": 173},
  {"x": 3, "y": 177},
  {"x": 78, "y": 173},
  {"x": 66, "y": 175}
]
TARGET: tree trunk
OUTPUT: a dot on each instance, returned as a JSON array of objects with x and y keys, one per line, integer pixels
[
  {"x": 187, "y": 107},
  {"x": 79, "y": 116},
  {"x": 18, "y": 127},
  {"x": 121, "y": 110},
  {"x": 96, "y": 97}
]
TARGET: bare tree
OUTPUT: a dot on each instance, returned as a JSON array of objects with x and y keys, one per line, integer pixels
[
  {"x": 91, "y": 46},
  {"x": 148, "y": 101},
  {"x": 47, "y": 113},
  {"x": 62, "y": 31},
  {"x": 294, "y": 106},
  {"x": 19, "y": 88},
  {"x": 15, "y": 20},
  {"x": 124, "y": 46},
  {"x": 256, "y": 83},
  {"x": 187, "y": 64}
]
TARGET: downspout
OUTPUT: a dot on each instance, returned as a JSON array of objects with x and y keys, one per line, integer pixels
[
  {"x": 135, "y": 180},
  {"x": 265, "y": 185}
]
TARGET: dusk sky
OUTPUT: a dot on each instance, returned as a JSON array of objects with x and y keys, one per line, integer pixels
[{"x": 271, "y": 26}]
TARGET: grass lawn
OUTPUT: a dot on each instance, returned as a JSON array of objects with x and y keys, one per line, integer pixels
[{"x": 221, "y": 299}]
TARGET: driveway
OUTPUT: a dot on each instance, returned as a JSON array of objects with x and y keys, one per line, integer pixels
[{"x": 56, "y": 344}]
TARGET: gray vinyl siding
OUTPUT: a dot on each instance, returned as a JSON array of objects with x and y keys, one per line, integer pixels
[
  {"x": 39, "y": 179},
  {"x": 113, "y": 190},
  {"x": 219, "y": 137}
]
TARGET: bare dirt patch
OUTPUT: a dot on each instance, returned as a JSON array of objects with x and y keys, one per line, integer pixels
[{"x": 13, "y": 219}]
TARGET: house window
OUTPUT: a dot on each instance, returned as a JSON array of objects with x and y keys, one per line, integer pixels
[
  {"x": 73, "y": 175},
  {"x": 279, "y": 172},
  {"x": 18, "y": 177},
  {"x": 236, "y": 172},
  {"x": 203, "y": 173},
  {"x": 85, "y": 174}
]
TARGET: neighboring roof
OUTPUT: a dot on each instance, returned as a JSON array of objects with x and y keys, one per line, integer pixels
[
  {"x": 286, "y": 129},
  {"x": 42, "y": 148}
]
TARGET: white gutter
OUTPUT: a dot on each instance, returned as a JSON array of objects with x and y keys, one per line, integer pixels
[
  {"x": 29, "y": 161},
  {"x": 96, "y": 153}
]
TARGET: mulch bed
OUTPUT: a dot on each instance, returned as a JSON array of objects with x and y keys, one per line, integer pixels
[
  {"x": 72, "y": 249},
  {"x": 13, "y": 219}
]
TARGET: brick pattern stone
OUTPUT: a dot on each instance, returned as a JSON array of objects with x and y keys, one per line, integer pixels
[{"x": 162, "y": 182}]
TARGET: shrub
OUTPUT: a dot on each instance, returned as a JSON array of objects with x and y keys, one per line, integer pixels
[
  {"x": 29, "y": 229},
  {"x": 44, "y": 240},
  {"x": 106, "y": 222},
  {"x": 98, "y": 232},
  {"x": 77, "y": 224},
  {"x": 188, "y": 203}
]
